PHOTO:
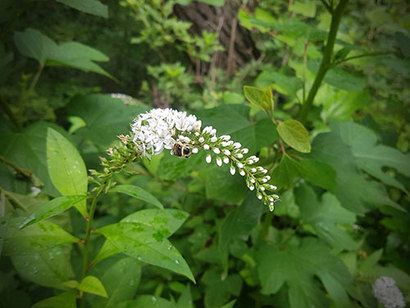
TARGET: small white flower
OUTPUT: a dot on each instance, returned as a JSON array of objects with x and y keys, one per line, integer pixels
[
  {"x": 227, "y": 152},
  {"x": 195, "y": 150},
  {"x": 271, "y": 207},
  {"x": 232, "y": 170},
  {"x": 251, "y": 187},
  {"x": 240, "y": 165},
  {"x": 245, "y": 150},
  {"x": 239, "y": 155},
  {"x": 226, "y": 160},
  {"x": 252, "y": 180},
  {"x": 206, "y": 147},
  {"x": 208, "y": 158},
  {"x": 201, "y": 139},
  {"x": 214, "y": 139},
  {"x": 253, "y": 170},
  {"x": 259, "y": 197},
  {"x": 273, "y": 187},
  {"x": 264, "y": 171},
  {"x": 387, "y": 293},
  {"x": 219, "y": 161},
  {"x": 217, "y": 151},
  {"x": 237, "y": 145},
  {"x": 242, "y": 173},
  {"x": 250, "y": 162},
  {"x": 262, "y": 188},
  {"x": 224, "y": 144},
  {"x": 225, "y": 137}
]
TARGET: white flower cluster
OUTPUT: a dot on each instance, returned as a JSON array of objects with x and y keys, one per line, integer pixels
[
  {"x": 228, "y": 151},
  {"x": 159, "y": 129},
  {"x": 387, "y": 293}
]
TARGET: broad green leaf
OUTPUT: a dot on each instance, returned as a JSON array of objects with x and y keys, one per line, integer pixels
[
  {"x": 66, "y": 167},
  {"x": 353, "y": 190},
  {"x": 238, "y": 125},
  {"x": 260, "y": 98},
  {"x": 62, "y": 300},
  {"x": 120, "y": 279},
  {"x": 105, "y": 118},
  {"x": 37, "y": 237},
  {"x": 316, "y": 172},
  {"x": 49, "y": 268},
  {"x": 150, "y": 301},
  {"x": 340, "y": 78},
  {"x": 238, "y": 224},
  {"x": 32, "y": 43},
  {"x": 295, "y": 135},
  {"x": 221, "y": 185},
  {"x": 52, "y": 208},
  {"x": 147, "y": 245},
  {"x": 307, "y": 9},
  {"x": 93, "y": 7},
  {"x": 28, "y": 150},
  {"x": 297, "y": 267},
  {"x": 93, "y": 285},
  {"x": 326, "y": 217},
  {"x": 172, "y": 167},
  {"x": 139, "y": 193},
  {"x": 167, "y": 221},
  {"x": 218, "y": 291},
  {"x": 373, "y": 157},
  {"x": 371, "y": 260}
]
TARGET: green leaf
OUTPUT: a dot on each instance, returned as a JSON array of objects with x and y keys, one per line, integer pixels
[
  {"x": 139, "y": 193},
  {"x": 92, "y": 7},
  {"x": 167, "y": 221},
  {"x": 40, "y": 236},
  {"x": 221, "y": 185},
  {"x": 52, "y": 208},
  {"x": 185, "y": 300},
  {"x": 147, "y": 244},
  {"x": 260, "y": 98},
  {"x": 105, "y": 118},
  {"x": 63, "y": 300},
  {"x": 238, "y": 224},
  {"x": 93, "y": 285},
  {"x": 218, "y": 291},
  {"x": 66, "y": 167},
  {"x": 307, "y": 9},
  {"x": 28, "y": 150},
  {"x": 121, "y": 280},
  {"x": 49, "y": 268},
  {"x": 370, "y": 156},
  {"x": 33, "y": 44},
  {"x": 353, "y": 190},
  {"x": 326, "y": 217},
  {"x": 297, "y": 267},
  {"x": 295, "y": 135},
  {"x": 340, "y": 78}
]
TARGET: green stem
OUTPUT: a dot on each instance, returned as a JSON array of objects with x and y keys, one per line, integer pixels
[
  {"x": 35, "y": 78},
  {"x": 372, "y": 54},
  {"x": 326, "y": 60},
  {"x": 88, "y": 235}
]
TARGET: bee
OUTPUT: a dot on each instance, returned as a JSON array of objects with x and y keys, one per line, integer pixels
[{"x": 180, "y": 149}]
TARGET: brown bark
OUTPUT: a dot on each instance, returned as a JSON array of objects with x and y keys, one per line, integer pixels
[{"x": 236, "y": 40}]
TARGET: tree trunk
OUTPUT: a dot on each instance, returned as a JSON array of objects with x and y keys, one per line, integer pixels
[{"x": 236, "y": 40}]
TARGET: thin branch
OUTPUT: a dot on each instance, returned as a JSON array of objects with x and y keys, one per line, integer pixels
[
  {"x": 371, "y": 54},
  {"x": 327, "y": 6}
]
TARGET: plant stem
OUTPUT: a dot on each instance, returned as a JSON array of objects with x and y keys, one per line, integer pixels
[
  {"x": 35, "y": 78},
  {"x": 88, "y": 235},
  {"x": 326, "y": 60},
  {"x": 11, "y": 115}
]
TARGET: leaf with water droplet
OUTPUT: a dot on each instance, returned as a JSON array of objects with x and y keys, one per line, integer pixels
[
  {"x": 51, "y": 208},
  {"x": 142, "y": 244}
]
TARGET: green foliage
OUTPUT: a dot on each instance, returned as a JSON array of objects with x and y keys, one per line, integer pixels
[{"x": 324, "y": 108}]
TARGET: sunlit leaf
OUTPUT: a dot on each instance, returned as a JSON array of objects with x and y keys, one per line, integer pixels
[
  {"x": 66, "y": 167},
  {"x": 295, "y": 135},
  {"x": 93, "y": 285},
  {"x": 93, "y": 7}
]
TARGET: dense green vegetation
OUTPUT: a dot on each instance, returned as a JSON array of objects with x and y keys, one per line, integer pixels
[{"x": 323, "y": 102}]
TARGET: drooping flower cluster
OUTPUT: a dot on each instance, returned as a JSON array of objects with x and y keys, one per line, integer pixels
[
  {"x": 160, "y": 129},
  {"x": 387, "y": 293}
]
